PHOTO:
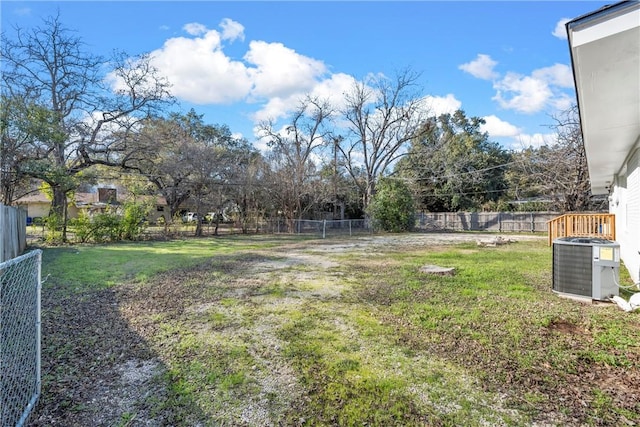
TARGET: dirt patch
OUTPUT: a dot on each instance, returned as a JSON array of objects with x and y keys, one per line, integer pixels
[
  {"x": 131, "y": 384},
  {"x": 293, "y": 259},
  {"x": 95, "y": 368},
  {"x": 566, "y": 327}
]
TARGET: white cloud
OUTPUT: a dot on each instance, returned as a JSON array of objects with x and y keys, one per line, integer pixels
[
  {"x": 330, "y": 89},
  {"x": 560, "y": 31},
  {"x": 524, "y": 94},
  {"x": 563, "y": 102},
  {"x": 195, "y": 29},
  {"x": 280, "y": 71},
  {"x": 231, "y": 30},
  {"x": 131, "y": 74},
  {"x": 333, "y": 89},
  {"x": 199, "y": 71},
  {"x": 535, "y": 140},
  {"x": 276, "y": 108},
  {"x": 481, "y": 67},
  {"x": 438, "y": 105},
  {"x": 531, "y": 94},
  {"x": 270, "y": 75},
  {"x": 260, "y": 142},
  {"x": 497, "y": 127},
  {"x": 22, "y": 11},
  {"x": 557, "y": 75}
]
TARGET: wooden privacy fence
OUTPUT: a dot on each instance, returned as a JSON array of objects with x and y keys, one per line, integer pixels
[
  {"x": 13, "y": 232},
  {"x": 485, "y": 221},
  {"x": 601, "y": 225}
]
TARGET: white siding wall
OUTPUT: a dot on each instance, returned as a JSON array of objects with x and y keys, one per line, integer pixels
[
  {"x": 625, "y": 204},
  {"x": 38, "y": 209}
]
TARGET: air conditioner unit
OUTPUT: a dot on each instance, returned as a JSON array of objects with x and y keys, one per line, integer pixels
[{"x": 586, "y": 267}]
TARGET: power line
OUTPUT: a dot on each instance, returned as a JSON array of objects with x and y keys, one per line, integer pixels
[{"x": 459, "y": 174}]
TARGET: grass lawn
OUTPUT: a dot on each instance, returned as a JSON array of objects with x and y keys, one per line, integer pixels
[{"x": 263, "y": 330}]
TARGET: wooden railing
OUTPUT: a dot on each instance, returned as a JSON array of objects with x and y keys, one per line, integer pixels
[{"x": 582, "y": 225}]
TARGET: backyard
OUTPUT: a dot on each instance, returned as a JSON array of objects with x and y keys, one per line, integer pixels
[{"x": 289, "y": 330}]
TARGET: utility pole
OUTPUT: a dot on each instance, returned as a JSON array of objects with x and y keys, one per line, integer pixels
[{"x": 336, "y": 140}]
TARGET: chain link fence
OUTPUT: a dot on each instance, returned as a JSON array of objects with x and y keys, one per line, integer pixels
[
  {"x": 510, "y": 222},
  {"x": 19, "y": 337},
  {"x": 319, "y": 228}
]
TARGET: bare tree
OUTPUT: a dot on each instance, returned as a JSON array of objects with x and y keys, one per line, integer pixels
[
  {"x": 186, "y": 159},
  {"x": 558, "y": 172},
  {"x": 291, "y": 156},
  {"x": 246, "y": 189},
  {"x": 162, "y": 147},
  {"x": 14, "y": 149},
  {"x": 383, "y": 116},
  {"x": 205, "y": 163},
  {"x": 79, "y": 114},
  {"x": 575, "y": 187}
]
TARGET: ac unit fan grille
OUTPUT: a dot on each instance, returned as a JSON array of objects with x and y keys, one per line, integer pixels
[{"x": 572, "y": 269}]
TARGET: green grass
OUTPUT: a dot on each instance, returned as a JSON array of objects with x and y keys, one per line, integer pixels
[
  {"x": 366, "y": 340},
  {"x": 89, "y": 267}
]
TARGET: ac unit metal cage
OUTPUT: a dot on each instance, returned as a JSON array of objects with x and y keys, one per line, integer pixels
[{"x": 586, "y": 267}]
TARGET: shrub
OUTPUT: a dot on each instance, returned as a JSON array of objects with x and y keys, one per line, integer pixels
[
  {"x": 106, "y": 227},
  {"x": 111, "y": 225},
  {"x": 392, "y": 208},
  {"x": 53, "y": 228},
  {"x": 133, "y": 220},
  {"x": 82, "y": 227}
]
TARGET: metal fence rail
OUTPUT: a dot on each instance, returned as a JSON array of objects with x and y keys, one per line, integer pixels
[
  {"x": 326, "y": 228},
  {"x": 20, "y": 284},
  {"x": 320, "y": 228},
  {"x": 502, "y": 222}
]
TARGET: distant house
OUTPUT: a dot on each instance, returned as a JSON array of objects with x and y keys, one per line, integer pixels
[
  {"x": 605, "y": 56},
  {"x": 38, "y": 204}
]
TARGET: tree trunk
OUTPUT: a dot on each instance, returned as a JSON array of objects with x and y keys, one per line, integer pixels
[
  {"x": 58, "y": 202},
  {"x": 59, "y": 208},
  {"x": 367, "y": 196}
]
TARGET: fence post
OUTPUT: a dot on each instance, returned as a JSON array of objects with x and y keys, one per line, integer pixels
[
  {"x": 533, "y": 223},
  {"x": 324, "y": 228}
]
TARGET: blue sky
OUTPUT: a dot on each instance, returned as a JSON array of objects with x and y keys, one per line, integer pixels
[{"x": 241, "y": 62}]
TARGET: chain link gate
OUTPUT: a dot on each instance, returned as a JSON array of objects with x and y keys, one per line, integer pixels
[{"x": 19, "y": 337}]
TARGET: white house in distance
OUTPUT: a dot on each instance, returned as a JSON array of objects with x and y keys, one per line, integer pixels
[{"x": 605, "y": 55}]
